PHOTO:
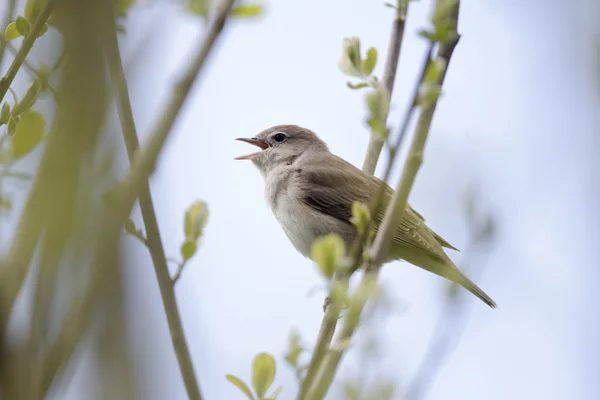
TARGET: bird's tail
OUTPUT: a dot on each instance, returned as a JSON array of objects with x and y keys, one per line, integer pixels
[
  {"x": 473, "y": 288},
  {"x": 445, "y": 268}
]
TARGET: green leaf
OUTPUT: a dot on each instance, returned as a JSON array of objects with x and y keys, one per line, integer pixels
[
  {"x": 350, "y": 62},
  {"x": 341, "y": 345},
  {"x": 294, "y": 349},
  {"x": 11, "y": 32},
  {"x": 28, "y": 99},
  {"x": 357, "y": 86},
  {"x": 28, "y": 134},
  {"x": 240, "y": 385},
  {"x": 198, "y": 7},
  {"x": 4, "y": 114},
  {"x": 327, "y": 252},
  {"x": 275, "y": 394},
  {"x": 196, "y": 217},
  {"x": 12, "y": 125},
  {"x": 378, "y": 102},
  {"x": 33, "y": 8},
  {"x": 360, "y": 216},
  {"x": 369, "y": 63},
  {"x": 263, "y": 373},
  {"x": 23, "y": 26},
  {"x": 246, "y": 11},
  {"x": 188, "y": 249}
]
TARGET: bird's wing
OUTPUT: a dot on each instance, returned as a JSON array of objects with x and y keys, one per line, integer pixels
[{"x": 319, "y": 187}]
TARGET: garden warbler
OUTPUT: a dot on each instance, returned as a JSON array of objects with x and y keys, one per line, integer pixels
[{"x": 311, "y": 192}]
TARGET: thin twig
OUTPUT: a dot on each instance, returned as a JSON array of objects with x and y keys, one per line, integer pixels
[
  {"x": 153, "y": 240},
  {"x": 396, "y": 207},
  {"x": 26, "y": 46},
  {"x": 178, "y": 272},
  {"x": 376, "y": 140}
]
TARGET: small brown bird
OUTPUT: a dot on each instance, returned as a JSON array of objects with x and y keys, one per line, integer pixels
[{"x": 311, "y": 192}]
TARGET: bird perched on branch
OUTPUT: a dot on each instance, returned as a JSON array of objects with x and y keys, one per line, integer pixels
[{"x": 311, "y": 192}]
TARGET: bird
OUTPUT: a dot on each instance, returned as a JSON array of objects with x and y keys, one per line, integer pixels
[{"x": 311, "y": 192}]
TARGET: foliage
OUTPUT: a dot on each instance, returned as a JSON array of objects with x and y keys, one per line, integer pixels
[{"x": 263, "y": 374}]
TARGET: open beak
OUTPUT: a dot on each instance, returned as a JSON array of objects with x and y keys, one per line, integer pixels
[{"x": 257, "y": 142}]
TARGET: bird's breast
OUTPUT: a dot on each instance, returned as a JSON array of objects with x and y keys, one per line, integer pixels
[{"x": 301, "y": 223}]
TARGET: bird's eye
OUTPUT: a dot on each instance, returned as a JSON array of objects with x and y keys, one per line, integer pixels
[{"x": 279, "y": 137}]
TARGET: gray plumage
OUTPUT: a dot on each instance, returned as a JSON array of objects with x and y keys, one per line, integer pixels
[{"x": 311, "y": 192}]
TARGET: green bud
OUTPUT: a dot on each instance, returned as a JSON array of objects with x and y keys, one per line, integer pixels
[
  {"x": 350, "y": 63},
  {"x": 196, "y": 217},
  {"x": 369, "y": 63},
  {"x": 378, "y": 102},
  {"x": 11, "y": 32},
  {"x": 360, "y": 216},
  {"x": 328, "y": 252},
  {"x": 263, "y": 373},
  {"x": 12, "y": 125},
  {"x": 294, "y": 349},
  {"x": 28, "y": 99},
  {"x": 23, "y": 26}
]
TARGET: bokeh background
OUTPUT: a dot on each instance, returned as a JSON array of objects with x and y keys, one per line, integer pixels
[{"x": 517, "y": 126}]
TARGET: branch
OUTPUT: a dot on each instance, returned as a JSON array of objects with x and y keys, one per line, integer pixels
[
  {"x": 397, "y": 205},
  {"x": 153, "y": 240},
  {"x": 143, "y": 162},
  {"x": 341, "y": 280},
  {"x": 332, "y": 312},
  {"x": 26, "y": 46},
  {"x": 329, "y": 364},
  {"x": 376, "y": 140},
  {"x": 130, "y": 188}
]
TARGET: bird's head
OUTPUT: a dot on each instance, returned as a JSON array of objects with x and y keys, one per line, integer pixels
[{"x": 281, "y": 145}]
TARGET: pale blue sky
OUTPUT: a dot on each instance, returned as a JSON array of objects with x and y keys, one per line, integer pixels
[{"x": 516, "y": 120}]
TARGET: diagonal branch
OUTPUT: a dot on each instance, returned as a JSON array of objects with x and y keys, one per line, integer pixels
[{"x": 154, "y": 242}]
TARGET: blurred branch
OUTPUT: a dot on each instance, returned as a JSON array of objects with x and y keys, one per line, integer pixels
[
  {"x": 143, "y": 161},
  {"x": 57, "y": 203},
  {"x": 376, "y": 140},
  {"x": 153, "y": 240},
  {"x": 393, "y": 214},
  {"x": 26, "y": 46},
  {"x": 8, "y": 16}
]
